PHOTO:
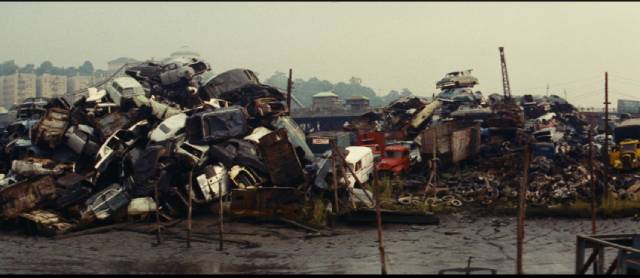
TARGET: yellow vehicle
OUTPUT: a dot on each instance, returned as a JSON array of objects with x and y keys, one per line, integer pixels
[{"x": 626, "y": 154}]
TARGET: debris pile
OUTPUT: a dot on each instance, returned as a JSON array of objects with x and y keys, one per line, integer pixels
[
  {"x": 150, "y": 141},
  {"x": 479, "y": 146}
]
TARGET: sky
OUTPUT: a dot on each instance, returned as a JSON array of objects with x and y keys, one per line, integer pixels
[{"x": 566, "y": 46}]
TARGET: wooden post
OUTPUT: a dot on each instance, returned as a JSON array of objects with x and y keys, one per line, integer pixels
[
  {"x": 599, "y": 265},
  {"x": 289, "y": 88},
  {"x": 221, "y": 216},
  {"x": 158, "y": 236},
  {"x": 379, "y": 221},
  {"x": 605, "y": 152},
  {"x": 190, "y": 189},
  {"x": 335, "y": 175},
  {"x": 580, "y": 246},
  {"x": 593, "y": 183},
  {"x": 433, "y": 175},
  {"x": 353, "y": 173},
  {"x": 521, "y": 208},
  {"x": 209, "y": 173}
]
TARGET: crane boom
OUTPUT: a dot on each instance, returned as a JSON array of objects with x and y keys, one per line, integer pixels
[{"x": 505, "y": 76}]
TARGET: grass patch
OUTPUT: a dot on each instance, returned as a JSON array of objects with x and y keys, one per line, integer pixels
[{"x": 611, "y": 208}]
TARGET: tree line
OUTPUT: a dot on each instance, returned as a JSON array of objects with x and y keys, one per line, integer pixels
[{"x": 305, "y": 89}]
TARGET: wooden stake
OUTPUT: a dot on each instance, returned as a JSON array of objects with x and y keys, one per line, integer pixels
[
  {"x": 209, "y": 173},
  {"x": 190, "y": 189},
  {"x": 220, "y": 226},
  {"x": 379, "y": 220},
  {"x": 289, "y": 88},
  {"x": 353, "y": 173},
  {"x": 158, "y": 236},
  {"x": 521, "y": 208},
  {"x": 593, "y": 183},
  {"x": 335, "y": 176},
  {"x": 605, "y": 159}
]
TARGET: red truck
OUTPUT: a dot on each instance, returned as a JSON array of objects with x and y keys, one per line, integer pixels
[{"x": 398, "y": 158}]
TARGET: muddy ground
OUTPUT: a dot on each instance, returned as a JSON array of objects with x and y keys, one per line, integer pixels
[{"x": 281, "y": 248}]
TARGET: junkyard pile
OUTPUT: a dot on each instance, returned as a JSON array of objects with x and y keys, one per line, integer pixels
[
  {"x": 148, "y": 141},
  {"x": 67, "y": 166},
  {"x": 480, "y": 148}
]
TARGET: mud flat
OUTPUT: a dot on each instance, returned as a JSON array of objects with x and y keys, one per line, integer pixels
[{"x": 276, "y": 248}]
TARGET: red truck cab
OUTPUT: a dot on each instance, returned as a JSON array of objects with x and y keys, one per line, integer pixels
[{"x": 395, "y": 160}]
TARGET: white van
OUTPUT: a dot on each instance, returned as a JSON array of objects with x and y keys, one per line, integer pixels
[{"x": 360, "y": 159}]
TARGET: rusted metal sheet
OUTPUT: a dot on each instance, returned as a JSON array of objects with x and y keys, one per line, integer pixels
[
  {"x": 49, "y": 132},
  {"x": 460, "y": 140},
  {"x": 25, "y": 196},
  {"x": 465, "y": 143},
  {"x": 281, "y": 160},
  {"x": 263, "y": 201},
  {"x": 443, "y": 131},
  {"x": 455, "y": 141},
  {"x": 111, "y": 123}
]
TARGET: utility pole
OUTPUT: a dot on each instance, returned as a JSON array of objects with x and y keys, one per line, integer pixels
[
  {"x": 521, "y": 207},
  {"x": 289, "y": 88},
  {"x": 605, "y": 153},
  {"x": 565, "y": 95}
]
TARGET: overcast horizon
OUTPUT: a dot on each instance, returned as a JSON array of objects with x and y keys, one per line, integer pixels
[{"x": 390, "y": 46}]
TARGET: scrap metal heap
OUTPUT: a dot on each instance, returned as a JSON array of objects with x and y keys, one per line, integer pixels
[
  {"x": 479, "y": 148},
  {"x": 67, "y": 166}
]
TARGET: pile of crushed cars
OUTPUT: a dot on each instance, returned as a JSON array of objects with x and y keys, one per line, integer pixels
[
  {"x": 488, "y": 166},
  {"x": 141, "y": 141}
]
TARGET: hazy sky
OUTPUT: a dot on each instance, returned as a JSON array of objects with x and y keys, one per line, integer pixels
[{"x": 389, "y": 45}]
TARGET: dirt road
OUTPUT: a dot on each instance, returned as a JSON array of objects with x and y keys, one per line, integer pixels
[{"x": 549, "y": 248}]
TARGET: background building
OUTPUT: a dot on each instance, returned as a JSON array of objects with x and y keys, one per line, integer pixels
[
  {"x": 8, "y": 88},
  {"x": 48, "y": 85},
  {"x": 16, "y": 87},
  {"x": 75, "y": 83},
  {"x": 326, "y": 101},
  {"x": 358, "y": 103},
  {"x": 628, "y": 106},
  {"x": 26, "y": 86}
]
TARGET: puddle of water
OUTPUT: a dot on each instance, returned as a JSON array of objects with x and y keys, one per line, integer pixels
[{"x": 176, "y": 267}]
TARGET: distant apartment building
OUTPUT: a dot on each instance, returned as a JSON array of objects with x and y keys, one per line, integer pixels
[
  {"x": 26, "y": 86},
  {"x": 628, "y": 106},
  {"x": 48, "y": 85},
  {"x": 78, "y": 82},
  {"x": 17, "y": 87},
  {"x": 8, "y": 88}
]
